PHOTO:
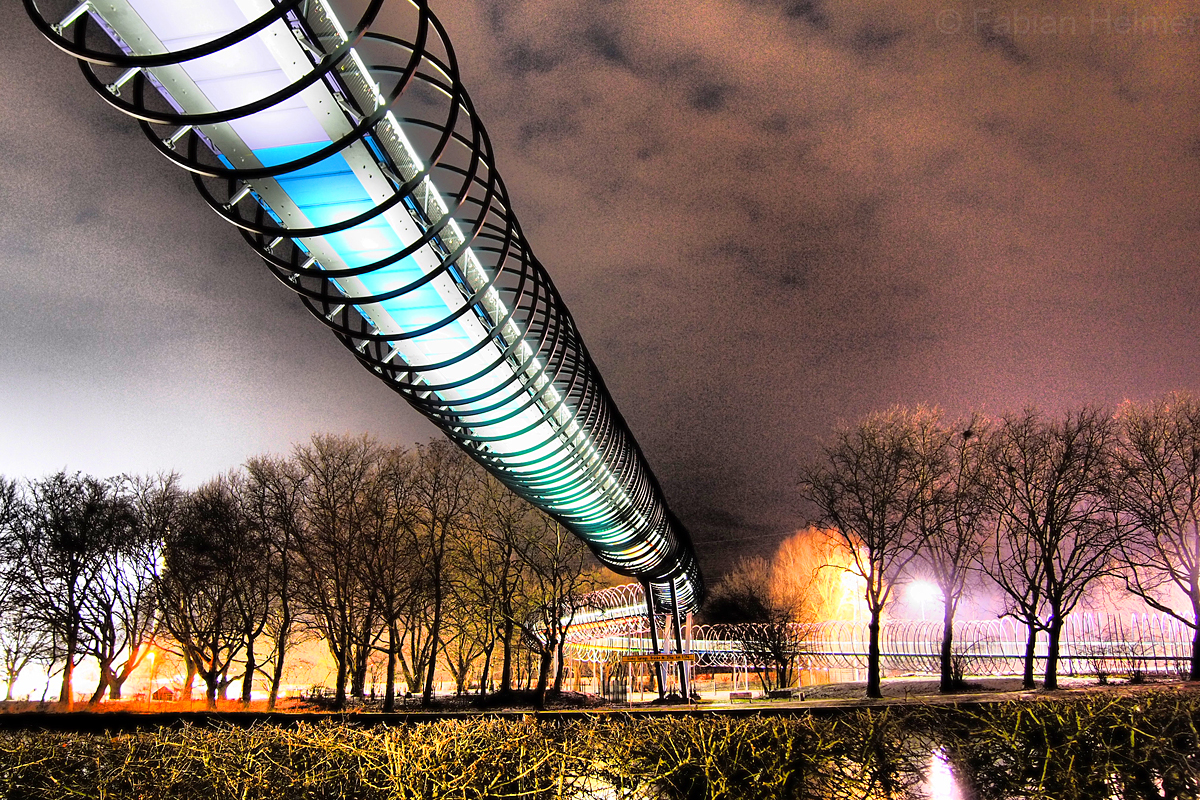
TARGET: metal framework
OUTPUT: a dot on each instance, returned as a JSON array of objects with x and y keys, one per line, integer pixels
[
  {"x": 351, "y": 159},
  {"x": 614, "y": 622}
]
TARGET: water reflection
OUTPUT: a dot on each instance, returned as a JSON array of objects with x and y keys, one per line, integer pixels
[{"x": 940, "y": 781}]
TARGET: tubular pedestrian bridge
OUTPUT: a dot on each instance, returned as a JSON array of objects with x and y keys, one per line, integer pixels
[
  {"x": 336, "y": 136},
  {"x": 613, "y": 623}
]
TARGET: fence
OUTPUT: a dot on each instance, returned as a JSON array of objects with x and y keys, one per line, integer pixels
[{"x": 1099, "y": 644}]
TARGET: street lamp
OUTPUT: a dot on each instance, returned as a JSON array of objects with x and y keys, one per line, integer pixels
[{"x": 922, "y": 592}]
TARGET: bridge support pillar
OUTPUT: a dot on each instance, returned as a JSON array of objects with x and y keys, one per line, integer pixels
[
  {"x": 683, "y": 667},
  {"x": 650, "y": 616}
]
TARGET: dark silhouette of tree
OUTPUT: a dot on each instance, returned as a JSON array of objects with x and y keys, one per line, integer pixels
[
  {"x": 255, "y": 593},
  {"x": 443, "y": 493},
  {"x": 333, "y": 549},
  {"x": 954, "y": 517},
  {"x": 489, "y": 574},
  {"x": 393, "y": 569},
  {"x": 870, "y": 485},
  {"x": 1157, "y": 491},
  {"x": 556, "y": 563},
  {"x": 465, "y": 635},
  {"x": 771, "y": 622},
  {"x": 69, "y": 524},
  {"x": 22, "y": 640},
  {"x": 122, "y": 609},
  {"x": 207, "y": 560},
  {"x": 1056, "y": 532},
  {"x": 272, "y": 498}
]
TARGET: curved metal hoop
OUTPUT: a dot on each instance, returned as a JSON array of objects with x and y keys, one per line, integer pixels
[
  {"x": 519, "y": 392},
  {"x": 613, "y": 621}
]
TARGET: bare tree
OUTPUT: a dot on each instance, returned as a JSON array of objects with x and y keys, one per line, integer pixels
[
  {"x": 955, "y": 519},
  {"x": 1013, "y": 563},
  {"x": 488, "y": 572},
  {"x": 1158, "y": 494},
  {"x": 333, "y": 548},
  {"x": 205, "y": 563},
  {"x": 557, "y": 565},
  {"x": 121, "y": 611},
  {"x": 393, "y": 569},
  {"x": 69, "y": 524},
  {"x": 870, "y": 486},
  {"x": 443, "y": 493},
  {"x": 465, "y": 636},
  {"x": 22, "y": 640},
  {"x": 254, "y": 590},
  {"x": 273, "y": 496},
  {"x": 1057, "y": 533},
  {"x": 771, "y": 622}
]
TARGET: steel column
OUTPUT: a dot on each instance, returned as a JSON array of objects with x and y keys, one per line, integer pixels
[{"x": 650, "y": 616}]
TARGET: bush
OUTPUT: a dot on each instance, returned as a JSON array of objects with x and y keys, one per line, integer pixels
[{"x": 1138, "y": 746}]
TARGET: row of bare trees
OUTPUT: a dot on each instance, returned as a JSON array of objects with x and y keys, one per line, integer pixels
[
  {"x": 1041, "y": 509},
  {"x": 413, "y": 556},
  {"x": 1043, "y": 506}
]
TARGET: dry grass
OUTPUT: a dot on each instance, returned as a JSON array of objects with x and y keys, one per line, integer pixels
[
  {"x": 1130, "y": 746},
  {"x": 1089, "y": 748}
]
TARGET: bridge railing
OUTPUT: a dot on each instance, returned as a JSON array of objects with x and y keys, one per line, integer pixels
[{"x": 1091, "y": 644}]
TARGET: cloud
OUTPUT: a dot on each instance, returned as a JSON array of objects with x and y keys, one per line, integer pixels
[{"x": 765, "y": 215}]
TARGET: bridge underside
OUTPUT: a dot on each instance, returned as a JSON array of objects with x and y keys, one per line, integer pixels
[{"x": 337, "y": 137}]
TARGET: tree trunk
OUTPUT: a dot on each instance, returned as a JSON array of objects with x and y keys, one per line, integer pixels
[
  {"x": 248, "y": 678},
  {"x": 102, "y": 685},
  {"x": 358, "y": 676},
  {"x": 117, "y": 679},
  {"x": 560, "y": 670},
  {"x": 210, "y": 689},
  {"x": 547, "y": 658},
  {"x": 1194, "y": 672},
  {"x": 389, "y": 692},
  {"x": 285, "y": 624},
  {"x": 223, "y": 681},
  {"x": 487, "y": 668},
  {"x": 506, "y": 671},
  {"x": 874, "y": 687},
  {"x": 65, "y": 695},
  {"x": 339, "y": 698},
  {"x": 435, "y": 635},
  {"x": 190, "y": 680},
  {"x": 948, "y": 683},
  {"x": 1027, "y": 681},
  {"x": 1054, "y": 632}
]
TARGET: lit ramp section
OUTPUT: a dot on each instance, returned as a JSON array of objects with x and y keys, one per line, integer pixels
[{"x": 352, "y": 161}]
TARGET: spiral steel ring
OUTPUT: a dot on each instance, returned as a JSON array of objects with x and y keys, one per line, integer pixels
[
  {"x": 518, "y": 391},
  {"x": 613, "y": 622}
]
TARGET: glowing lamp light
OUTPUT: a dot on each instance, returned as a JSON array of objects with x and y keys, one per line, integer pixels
[{"x": 922, "y": 592}]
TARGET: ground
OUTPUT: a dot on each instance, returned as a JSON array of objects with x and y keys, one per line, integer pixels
[{"x": 899, "y": 690}]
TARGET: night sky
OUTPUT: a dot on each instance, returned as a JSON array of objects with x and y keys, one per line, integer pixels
[{"x": 766, "y": 217}]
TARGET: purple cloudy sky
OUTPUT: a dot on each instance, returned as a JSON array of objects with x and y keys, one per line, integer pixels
[{"x": 766, "y": 215}]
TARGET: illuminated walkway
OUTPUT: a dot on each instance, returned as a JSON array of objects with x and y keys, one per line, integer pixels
[{"x": 337, "y": 137}]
